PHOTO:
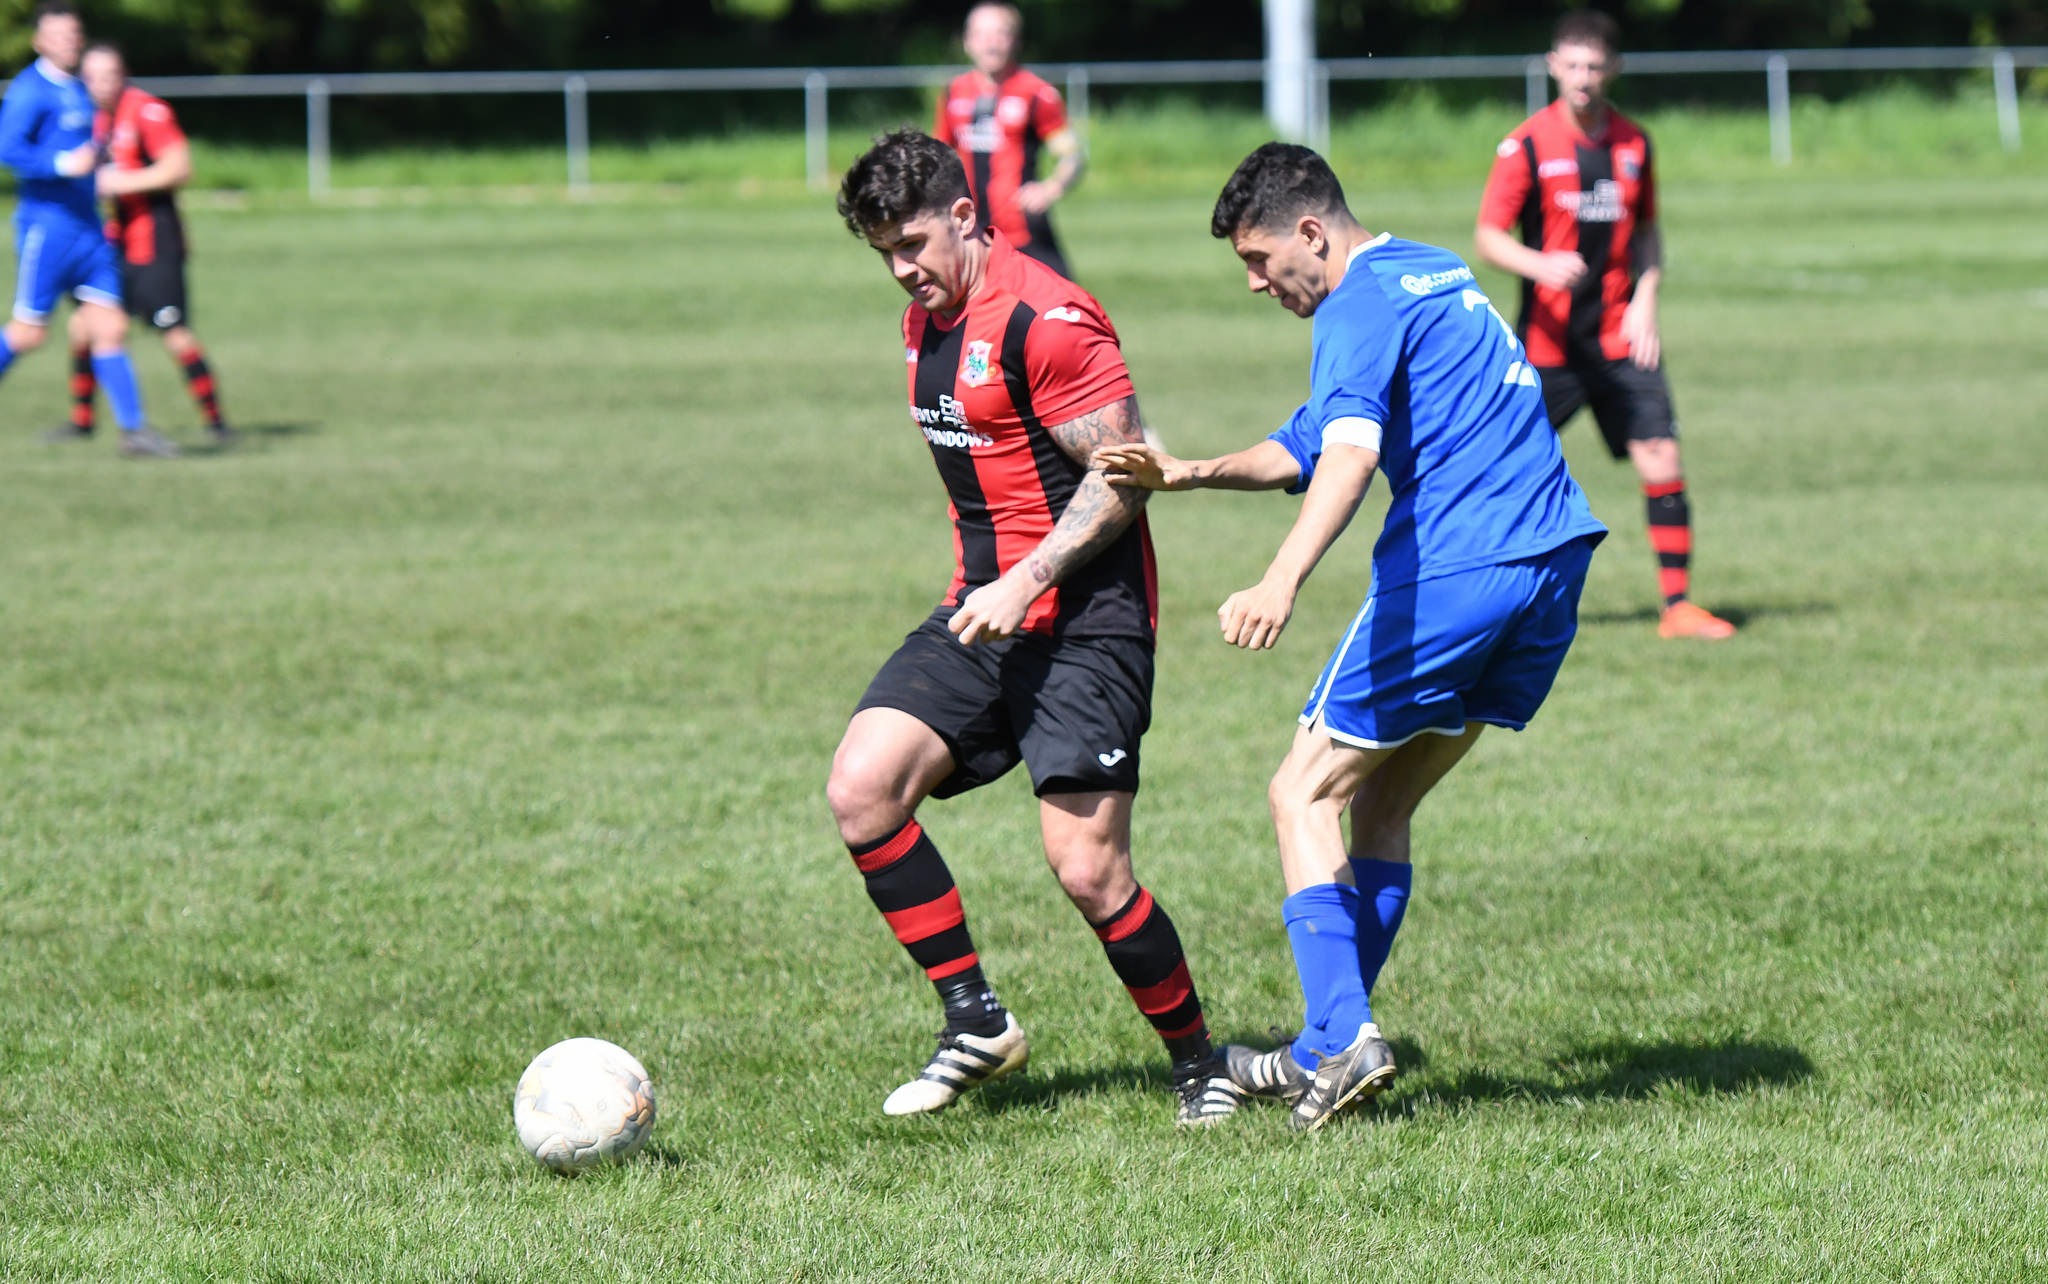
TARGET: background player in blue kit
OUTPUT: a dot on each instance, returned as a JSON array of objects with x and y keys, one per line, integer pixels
[
  {"x": 1475, "y": 579},
  {"x": 61, "y": 246}
]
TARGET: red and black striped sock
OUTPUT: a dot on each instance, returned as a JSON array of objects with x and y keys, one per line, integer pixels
[
  {"x": 908, "y": 881},
  {"x": 1145, "y": 951},
  {"x": 199, "y": 380},
  {"x": 1670, "y": 519},
  {"x": 83, "y": 386}
]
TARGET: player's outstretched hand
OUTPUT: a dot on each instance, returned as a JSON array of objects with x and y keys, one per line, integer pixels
[
  {"x": 992, "y": 612},
  {"x": 1253, "y": 617},
  {"x": 1561, "y": 269},
  {"x": 1036, "y": 197},
  {"x": 1129, "y": 464}
]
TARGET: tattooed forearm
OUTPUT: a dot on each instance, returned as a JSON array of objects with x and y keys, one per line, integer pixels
[
  {"x": 1098, "y": 512},
  {"x": 1116, "y": 424}
]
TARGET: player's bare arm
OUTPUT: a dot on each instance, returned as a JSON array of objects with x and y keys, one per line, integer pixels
[
  {"x": 1264, "y": 466},
  {"x": 1097, "y": 514},
  {"x": 1069, "y": 159},
  {"x": 1498, "y": 247},
  {"x": 1253, "y": 618},
  {"x": 1639, "y": 322},
  {"x": 167, "y": 173}
]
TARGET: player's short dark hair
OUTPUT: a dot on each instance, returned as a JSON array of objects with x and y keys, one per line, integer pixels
[
  {"x": 1276, "y": 184},
  {"x": 1011, "y": 11},
  {"x": 1587, "y": 27},
  {"x": 905, "y": 174},
  {"x": 53, "y": 9},
  {"x": 106, "y": 47}
]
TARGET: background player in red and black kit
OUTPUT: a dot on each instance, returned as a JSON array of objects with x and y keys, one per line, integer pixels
[
  {"x": 148, "y": 160},
  {"x": 1042, "y": 648},
  {"x": 998, "y": 117},
  {"x": 1578, "y": 178}
]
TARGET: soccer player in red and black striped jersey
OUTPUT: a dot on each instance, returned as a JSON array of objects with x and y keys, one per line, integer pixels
[
  {"x": 1578, "y": 178},
  {"x": 148, "y": 160},
  {"x": 998, "y": 117},
  {"x": 1041, "y": 650}
]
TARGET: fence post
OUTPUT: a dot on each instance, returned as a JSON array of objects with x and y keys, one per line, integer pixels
[
  {"x": 1778, "y": 86},
  {"x": 1077, "y": 100},
  {"x": 318, "y": 147},
  {"x": 576, "y": 110},
  {"x": 816, "y": 125},
  {"x": 1319, "y": 107},
  {"x": 1536, "y": 76},
  {"x": 2008, "y": 99}
]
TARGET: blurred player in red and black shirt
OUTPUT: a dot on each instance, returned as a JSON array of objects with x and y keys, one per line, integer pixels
[
  {"x": 998, "y": 117},
  {"x": 1041, "y": 650},
  {"x": 1579, "y": 178},
  {"x": 148, "y": 160}
]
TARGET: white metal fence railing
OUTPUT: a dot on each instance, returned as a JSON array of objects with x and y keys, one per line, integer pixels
[{"x": 816, "y": 84}]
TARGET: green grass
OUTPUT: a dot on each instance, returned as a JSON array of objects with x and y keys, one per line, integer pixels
[{"x": 485, "y": 696}]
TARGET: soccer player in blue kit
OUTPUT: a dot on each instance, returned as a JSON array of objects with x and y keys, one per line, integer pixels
[
  {"x": 62, "y": 247},
  {"x": 1475, "y": 579}
]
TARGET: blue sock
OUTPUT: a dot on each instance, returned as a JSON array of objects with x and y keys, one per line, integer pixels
[
  {"x": 1383, "y": 898},
  {"x": 117, "y": 376},
  {"x": 1322, "y": 925},
  {"x": 6, "y": 354}
]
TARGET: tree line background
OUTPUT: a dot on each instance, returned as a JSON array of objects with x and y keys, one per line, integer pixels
[{"x": 167, "y": 37}]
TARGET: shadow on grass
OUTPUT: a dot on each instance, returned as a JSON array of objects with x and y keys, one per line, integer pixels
[
  {"x": 1738, "y": 615},
  {"x": 1614, "y": 1070},
  {"x": 1031, "y": 1091},
  {"x": 246, "y": 435}
]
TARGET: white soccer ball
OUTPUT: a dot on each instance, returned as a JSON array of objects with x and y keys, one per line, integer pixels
[{"x": 582, "y": 1103}]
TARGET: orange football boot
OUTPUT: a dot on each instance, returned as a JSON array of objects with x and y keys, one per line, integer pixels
[{"x": 1684, "y": 620}]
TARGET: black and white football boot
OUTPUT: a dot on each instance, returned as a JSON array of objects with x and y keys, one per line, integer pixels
[
  {"x": 1207, "y": 1093},
  {"x": 1273, "y": 1074},
  {"x": 963, "y": 1061},
  {"x": 1341, "y": 1080}
]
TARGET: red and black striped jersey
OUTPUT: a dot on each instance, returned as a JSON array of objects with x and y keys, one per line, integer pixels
[
  {"x": 998, "y": 128},
  {"x": 1030, "y": 349},
  {"x": 136, "y": 134},
  {"x": 1572, "y": 192}
]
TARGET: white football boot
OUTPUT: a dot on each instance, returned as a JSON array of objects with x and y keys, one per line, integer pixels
[{"x": 962, "y": 1061}]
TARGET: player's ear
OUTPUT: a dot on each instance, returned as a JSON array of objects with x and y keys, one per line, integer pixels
[
  {"x": 1312, "y": 233},
  {"x": 1550, "y": 63},
  {"x": 963, "y": 214}
]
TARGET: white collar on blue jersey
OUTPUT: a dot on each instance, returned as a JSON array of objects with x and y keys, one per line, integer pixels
[
  {"x": 1363, "y": 246},
  {"x": 50, "y": 71}
]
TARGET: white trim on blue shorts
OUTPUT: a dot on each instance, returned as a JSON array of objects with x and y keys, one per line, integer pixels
[
  {"x": 86, "y": 294},
  {"x": 25, "y": 281},
  {"x": 1322, "y": 688},
  {"x": 1360, "y": 742}
]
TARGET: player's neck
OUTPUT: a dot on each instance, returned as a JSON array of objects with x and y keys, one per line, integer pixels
[
  {"x": 995, "y": 78},
  {"x": 1344, "y": 247},
  {"x": 1592, "y": 122},
  {"x": 973, "y": 272}
]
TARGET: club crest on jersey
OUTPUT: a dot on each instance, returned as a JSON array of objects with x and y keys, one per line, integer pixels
[
  {"x": 1631, "y": 168},
  {"x": 974, "y": 370}
]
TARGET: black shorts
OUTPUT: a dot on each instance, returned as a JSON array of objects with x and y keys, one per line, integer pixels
[
  {"x": 1072, "y": 709},
  {"x": 155, "y": 291},
  {"x": 1629, "y": 403}
]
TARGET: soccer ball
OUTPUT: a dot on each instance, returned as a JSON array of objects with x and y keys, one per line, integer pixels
[{"x": 582, "y": 1103}]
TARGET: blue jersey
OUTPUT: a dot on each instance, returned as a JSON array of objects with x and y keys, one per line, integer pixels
[
  {"x": 45, "y": 114},
  {"x": 1411, "y": 358}
]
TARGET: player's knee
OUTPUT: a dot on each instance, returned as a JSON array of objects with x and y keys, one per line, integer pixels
[
  {"x": 23, "y": 337},
  {"x": 1095, "y": 876},
  {"x": 862, "y": 796}
]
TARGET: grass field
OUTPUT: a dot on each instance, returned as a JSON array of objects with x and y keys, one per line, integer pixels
[{"x": 484, "y": 697}]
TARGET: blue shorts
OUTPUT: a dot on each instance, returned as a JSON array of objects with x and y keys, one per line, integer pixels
[
  {"x": 54, "y": 257},
  {"x": 1479, "y": 646}
]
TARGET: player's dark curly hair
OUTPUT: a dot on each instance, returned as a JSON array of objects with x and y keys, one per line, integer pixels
[
  {"x": 1275, "y": 185},
  {"x": 1587, "y": 27},
  {"x": 905, "y": 174},
  {"x": 53, "y": 9}
]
